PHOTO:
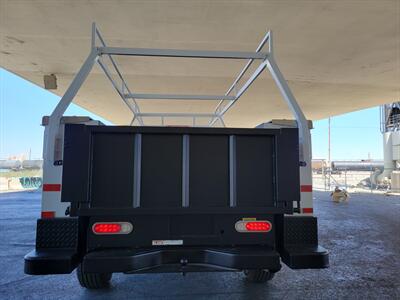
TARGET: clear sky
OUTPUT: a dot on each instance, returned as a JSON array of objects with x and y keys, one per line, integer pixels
[
  {"x": 354, "y": 135},
  {"x": 22, "y": 104}
]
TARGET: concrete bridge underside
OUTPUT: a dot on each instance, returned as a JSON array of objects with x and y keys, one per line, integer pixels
[{"x": 338, "y": 56}]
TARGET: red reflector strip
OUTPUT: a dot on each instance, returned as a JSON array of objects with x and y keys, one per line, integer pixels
[
  {"x": 50, "y": 187},
  {"x": 107, "y": 228},
  {"x": 308, "y": 210},
  {"x": 258, "y": 226},
  {"x": 306, "y": 188},
  {"x": 48, "y": 214}
]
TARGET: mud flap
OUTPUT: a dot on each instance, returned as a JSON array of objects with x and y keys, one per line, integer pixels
[
  {"x": 56, "y": 247},
  {"x": 300, "y": 248}
]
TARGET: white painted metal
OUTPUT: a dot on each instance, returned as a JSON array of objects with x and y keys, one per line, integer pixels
[
  {"x": 137, "y": 170},
  {"x": 185, "y": 170},
  {"x": 232, "y": 171},
  {"x": 245, "y": 86},
  {"x": 221, "y": 121},
  {"x": 244, "y": 70},
  {"x": 181, "y": 53},
  {"x": 176, "y": 115},
  {"x": 131, "y": 105},
  {"x": 134, "y": 107},
  {"x": 177, "y": 97}
]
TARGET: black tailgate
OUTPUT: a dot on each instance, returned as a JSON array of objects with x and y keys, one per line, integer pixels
[{"x": 140, "y": 169}]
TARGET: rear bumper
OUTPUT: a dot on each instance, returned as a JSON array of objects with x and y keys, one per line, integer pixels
[
  {"x": 40, "y": 262},
  {"x": 181, "y": 260},
  {"x": 57, "y": 252}
]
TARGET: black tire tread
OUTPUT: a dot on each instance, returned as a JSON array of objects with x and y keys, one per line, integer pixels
[
  {"x": 259, "y": 275},
  {"x": 93, "y": 280}
]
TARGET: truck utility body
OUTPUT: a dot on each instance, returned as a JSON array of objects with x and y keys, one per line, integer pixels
[
  {"x": 184, "y": 191},
  {"x": 194, "y": 199},
  {"x": 140, "y": 199}
]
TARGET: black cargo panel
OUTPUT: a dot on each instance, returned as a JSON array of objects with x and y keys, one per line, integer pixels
[
  {"x": 161, "y": 171},
  {"x": 255, "y": 171},
  {"x": 112, "y": 170},
  {"x": 208, "y": 171},
  {"x": 76, "y": 164}
]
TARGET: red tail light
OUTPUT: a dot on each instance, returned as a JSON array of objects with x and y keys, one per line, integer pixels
[
  {"x": 112, "y": 228},
  {"x": 258, "y": 226},
  {"x": 253, "y": 226}
]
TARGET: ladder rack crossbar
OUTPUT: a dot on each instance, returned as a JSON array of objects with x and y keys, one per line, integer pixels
[
  {"x": 177, "y": 115},
  {"x": 176, "y": 97},
  {"x": 181, "y": 53}
]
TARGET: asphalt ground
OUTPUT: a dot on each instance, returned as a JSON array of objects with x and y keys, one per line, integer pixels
[{"x": 363, "y": 237}]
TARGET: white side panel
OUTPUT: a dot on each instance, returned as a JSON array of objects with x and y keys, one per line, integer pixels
[
  {"x": 52, "y": 172},
  {"x": 52, "y": 176}
]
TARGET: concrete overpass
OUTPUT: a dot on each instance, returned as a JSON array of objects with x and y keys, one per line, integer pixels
[{"x": 338, "y": 56}]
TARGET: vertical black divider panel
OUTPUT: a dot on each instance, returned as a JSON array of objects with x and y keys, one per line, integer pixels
[
  {"x": 75, "y": 177},
  {"x": 255, "y": 171},
  {"x": 112, "y": 170},
  {"x": 209, "y": 171},
  {"x": 161, "y": 171}
]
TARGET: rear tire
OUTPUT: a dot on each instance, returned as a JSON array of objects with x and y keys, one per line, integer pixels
[
  {"x": 259, "y": 275},
  {"x": 93, "y": 280}
]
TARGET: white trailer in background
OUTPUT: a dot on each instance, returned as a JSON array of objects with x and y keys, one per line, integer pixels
[{"x": 70, "y": 233}]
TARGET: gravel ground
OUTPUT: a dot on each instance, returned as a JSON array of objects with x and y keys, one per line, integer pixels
[{"x": 363, "y": 237}]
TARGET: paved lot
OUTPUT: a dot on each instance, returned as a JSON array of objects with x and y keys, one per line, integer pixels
[{"x": 363, "y": 237}]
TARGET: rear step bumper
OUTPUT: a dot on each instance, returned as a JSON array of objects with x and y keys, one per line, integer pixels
[
  {"x": 57, "y": 252},
  {"x": 306, "y": 257},
  {"x": 181, "y": 260},
  {"x": 40, "y": 262},
  {"x": 50, "y": 261}
]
